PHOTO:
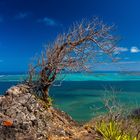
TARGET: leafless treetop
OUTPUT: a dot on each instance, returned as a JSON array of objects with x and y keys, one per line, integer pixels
[{"x": 74, "y": 49}]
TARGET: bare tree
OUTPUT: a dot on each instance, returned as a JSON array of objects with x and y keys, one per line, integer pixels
[{"x": 73, "y": 51}]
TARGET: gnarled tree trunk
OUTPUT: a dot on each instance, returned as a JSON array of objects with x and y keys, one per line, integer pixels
[{"x": 46, "y": 93}]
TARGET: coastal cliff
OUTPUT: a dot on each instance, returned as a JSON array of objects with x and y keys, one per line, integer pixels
[{"x": 23, "y": 116}]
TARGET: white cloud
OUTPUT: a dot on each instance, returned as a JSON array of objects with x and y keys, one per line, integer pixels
[
  {"x": 22, "y": 15},
  {"x": 127, "y": 62},
  {"x": 134, "y": 49},
  {"x": 118, "y": 66},
  {"x": 122, "y": 62},
  {"x": 118, "y": 50},
  {"x": 121, "y": 49},
  {"x": 48, "y": 21}
]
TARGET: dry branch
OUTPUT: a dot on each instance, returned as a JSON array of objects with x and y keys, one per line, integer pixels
[{"x": 73, "y": 51}]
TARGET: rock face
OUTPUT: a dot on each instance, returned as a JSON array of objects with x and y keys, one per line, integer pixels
[
  {"x": 25, "y": 117},
  {"x": 135, "y": 113}
]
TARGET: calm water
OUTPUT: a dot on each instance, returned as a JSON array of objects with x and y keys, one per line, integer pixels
[{"x": 81, "y": 94}]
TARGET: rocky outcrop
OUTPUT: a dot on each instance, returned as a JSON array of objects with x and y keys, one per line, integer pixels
[
  {"x": 25, "y": 117},
  {"x": 135, "y": 113}
]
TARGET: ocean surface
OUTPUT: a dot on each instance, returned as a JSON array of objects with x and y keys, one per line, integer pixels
[{"x": 82, "y": 95}]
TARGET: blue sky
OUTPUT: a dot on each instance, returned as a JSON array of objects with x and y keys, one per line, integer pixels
[{"x": 26, "y": 25}]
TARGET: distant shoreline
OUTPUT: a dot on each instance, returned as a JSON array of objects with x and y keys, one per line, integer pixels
[{"x": 15, "y": 73}]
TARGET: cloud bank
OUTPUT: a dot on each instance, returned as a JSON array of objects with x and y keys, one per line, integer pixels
[
  {"x": 119, "y": 66},
  {"x": 121, "y": 49},
  {"x": 134, "y": 49}
]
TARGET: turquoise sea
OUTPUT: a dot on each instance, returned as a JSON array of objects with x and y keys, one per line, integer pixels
[{"x": 81, "y": 95}]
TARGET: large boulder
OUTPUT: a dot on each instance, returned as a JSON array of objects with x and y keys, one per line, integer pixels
[
  {"x": 23, "y": 116},
  {"x": 135, "y": 113}
]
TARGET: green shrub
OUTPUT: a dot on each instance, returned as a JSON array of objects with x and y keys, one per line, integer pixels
[
  {"x": 112, "y": 131},
  {"x": 50, "y": 101}
]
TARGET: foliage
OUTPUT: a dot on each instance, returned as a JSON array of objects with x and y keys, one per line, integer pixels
[
  {"x": 112, "y": 131},
  {"x": 50, "y": 101},
  {"x": 47, "y": 103}
]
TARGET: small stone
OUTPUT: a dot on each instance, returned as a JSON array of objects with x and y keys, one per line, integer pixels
[
  {"x": 33, "y": 118},
  {"x": 34, "y": 122},
  {"x": 29, "y": 108},
  {"x": 24, "y": 126}
]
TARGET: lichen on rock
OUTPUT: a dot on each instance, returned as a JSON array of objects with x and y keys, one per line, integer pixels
[{"x": 28, "y": 118}]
